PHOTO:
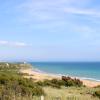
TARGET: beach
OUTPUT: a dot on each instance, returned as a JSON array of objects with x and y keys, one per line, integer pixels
[
  {"x": 40, "y": 76},
  {"x": 37, "y": 75}
]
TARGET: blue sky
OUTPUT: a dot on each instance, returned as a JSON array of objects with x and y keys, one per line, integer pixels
[{"x": 49, "y": 30}]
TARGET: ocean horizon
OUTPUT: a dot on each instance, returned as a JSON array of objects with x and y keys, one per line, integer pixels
[{"x": 82, "y": 70}]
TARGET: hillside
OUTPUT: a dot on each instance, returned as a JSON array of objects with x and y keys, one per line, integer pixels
[{"x": 13, "y": 86}]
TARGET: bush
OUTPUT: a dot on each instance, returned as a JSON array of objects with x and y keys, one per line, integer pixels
[
  {"x": 65, "y": 81},
  {"x": 14, "y": 83},
  {"x": 97, "y": 86},
  {"x": 58, "y": 82},
  {"x": 72, "y": 82},
  {"x": 78, "y": 82},
  {"x": 97, "y": 94},
  {"x": 40, "y": 83},
  {"x": 53, "y": 83},
  {"x": 37, "y": 91}
]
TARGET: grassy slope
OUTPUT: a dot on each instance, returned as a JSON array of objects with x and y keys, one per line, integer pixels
[{"x": 70, "y": 93}]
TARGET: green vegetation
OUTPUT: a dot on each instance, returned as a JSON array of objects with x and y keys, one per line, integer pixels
[
  {"x": 72, "y": 82},
  {"x": 13, "y": 67},
  {"x": 70, "y": 93},
  {"x": 17, "y": 85},
  {"x": 97, "y": 93},
  {"x": 13, "y": 86},
  {"x": 65, "y": 81}
]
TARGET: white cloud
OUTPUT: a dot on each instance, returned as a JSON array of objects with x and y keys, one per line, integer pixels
[
  {"x": 88, "y": 12},
  {"x": 52, "y": 15},
  {"x": 48, "y": 9},
  {"x": 48, "y": 13},
  {"x": 3, "y": 42},
  {"x": 16, "y": 44}
]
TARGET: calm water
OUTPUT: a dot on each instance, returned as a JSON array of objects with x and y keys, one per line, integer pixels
[{"x": 82, "y": 70}]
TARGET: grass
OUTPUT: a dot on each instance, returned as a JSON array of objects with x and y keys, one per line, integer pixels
[{"x": 70, "y": 93}]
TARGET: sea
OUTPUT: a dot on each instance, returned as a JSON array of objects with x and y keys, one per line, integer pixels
[{"x": 82, "y": 70}]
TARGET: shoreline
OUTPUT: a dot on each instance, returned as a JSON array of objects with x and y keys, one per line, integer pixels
[
  {"x": 60, "y": 75},
  {"x": 39, "y": 75}
]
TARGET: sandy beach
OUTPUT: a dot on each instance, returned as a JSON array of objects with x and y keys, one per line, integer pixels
[
  {"x": 40, "y": 76},
  {"x": 36, "y": 75}
]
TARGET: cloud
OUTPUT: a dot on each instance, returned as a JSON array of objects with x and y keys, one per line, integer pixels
[
  {"x": 16, "y": 44},
  {"x": 3, "y": 42},
  {"x": 55, "y": 15},
  {"x": 52, "y": 13},
  {"x": 48, "y": 9},
  {"x": 79, "y": 11}
]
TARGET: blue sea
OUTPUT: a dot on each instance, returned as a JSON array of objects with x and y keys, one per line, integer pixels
[{"x": 84, "y": 70}]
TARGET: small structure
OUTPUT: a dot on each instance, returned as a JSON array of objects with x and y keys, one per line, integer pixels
[
  {"x": 42, "y": 97},
  {"x": 7, "y": 65}
]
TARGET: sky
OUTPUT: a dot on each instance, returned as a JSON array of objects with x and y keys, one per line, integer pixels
[{"x": 49, "y": 30}]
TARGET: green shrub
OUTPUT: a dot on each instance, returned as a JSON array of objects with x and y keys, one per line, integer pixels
[
  {"x": 97, "y": 86},
  {"x": 14, "y": 83},
  {"x": 97, "y": 94},
  {"x": 37, "y": 91},
  {"x": 58, "y": 82},
  {"x": 69, "y": 83},
  {"x": 53, "y": 83},
  {"x": 39, "y": 83},
  {"x": 65, "y": 81}
]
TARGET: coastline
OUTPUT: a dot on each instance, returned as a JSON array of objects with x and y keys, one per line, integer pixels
[{"x": 38, "y": 75}]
